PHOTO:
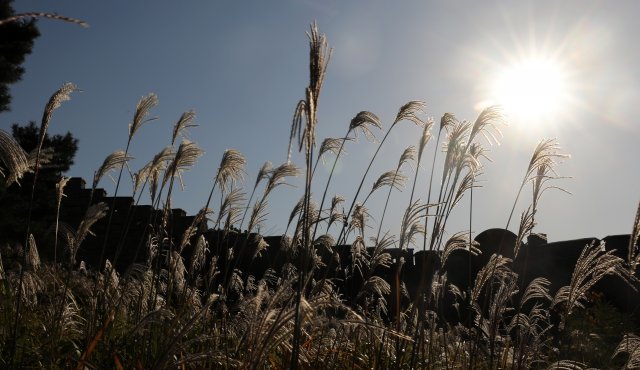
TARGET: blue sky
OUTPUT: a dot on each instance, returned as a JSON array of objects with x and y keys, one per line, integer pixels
[{"x": 242, "y": 66}]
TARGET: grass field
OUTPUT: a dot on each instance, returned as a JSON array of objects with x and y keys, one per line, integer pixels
[{"x": 199, "y": 310}]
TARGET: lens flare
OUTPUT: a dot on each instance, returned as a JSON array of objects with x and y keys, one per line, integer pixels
[{"x": 532, "y": 89}]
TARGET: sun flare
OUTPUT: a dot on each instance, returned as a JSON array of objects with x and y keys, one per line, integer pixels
[{"x": 531, "y": 89}]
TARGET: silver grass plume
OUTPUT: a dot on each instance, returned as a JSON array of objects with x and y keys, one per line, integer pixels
[
  {"x": 325, "y": 242},
  {"x": 592, "y": 265},
  {"x": 198, "y": 255},
  {"x": 447, "y": 120},
  {"x": 231, "y": 170},
  {"x": 184, "y": 122},
  {"x": 527, "y": 224},
  {"x": 312, "y": 214},
  {"x": 68, "y": 320},
  {"x": 297, "y": 210},
  {"x": 60, "y": 96},
  {"x": 152, "y": 245},
  {"x": 194, "y": 228},
  {"x": 60, "y": 185},
  {"x": 319, "y": 54},
  {"x": 296, "y": 127},
  {"x": 411, "y": 225},
  {"x": 113, "y": 161},
  {"x": 426, "y": 136},
  {"x": 543, "y": 160},
  {"x": 14, "y": 158},
  {"x": 153, "y": 170},
  {"x": 142, "y": 111},
  {"x": 376, "y": 286},
  {"x": 33, "y": 258},
  {"x": 138, "y": 178},
  {"x": 31, "y": 286},
  {"x": 334, "y": 214},
  {"x": 279, "y": 174},
  {"x": 538, "y": 288},
  {"x": 499, "y": 300},
  {"x": 363, "y": 122},
  {"x": 276, "y": 177},
  {"x": 75, "y": 238},
  {"x": 630, "y": 345},
  {"x": 498, "y": 266},
  {"x": 185, "y": 158},
  {"x": 177, "y": 271},
  {"x": 331, "y": 145},
  {"x": 632, "y": 258},
  {"x": 468, "y": 182},
  {"x": 455, "y": 148},
  {"x": 113, "y": 279},
  {"x": 258, "y": 215},
  {"x": 260, "y": 245},
  {"x": 94, "y": 213},
  {"x": 544, "y": 174},
  {"x": 471, "y": 160},
  {"x": 547, "y": 152},
  {"x": 407, "y": 156},
  {"x": 487, "y": 123},
  {"x": 410, "y": 112},
  {"x": 335, "y": 202},
  {"x": 460, "y": 241},
  {"x": 231, "y": 209},
  {"x": 359, "y": 255},
  {"x": 390, "y": 178},
  {"x": 264, "y": 172},
  {"x": 380, "y": 258},
  {"x": 54, "y": 16},
  {"x": 359, "y": 218}
]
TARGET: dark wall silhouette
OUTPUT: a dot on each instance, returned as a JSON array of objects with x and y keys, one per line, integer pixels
[{"x": 536, "y": 258}]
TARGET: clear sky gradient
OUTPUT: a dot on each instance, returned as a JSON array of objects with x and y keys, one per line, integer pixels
[{"x": 242, "y": 66}]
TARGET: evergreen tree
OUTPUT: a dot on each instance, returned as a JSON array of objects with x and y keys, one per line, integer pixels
[
  {"x": 16, "y": 41},
  {"x": 59, "y": 151}
]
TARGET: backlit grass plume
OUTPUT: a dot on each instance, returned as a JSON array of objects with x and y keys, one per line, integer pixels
[
  {"x": 55, "y": 16},
  {"x": 185, "y": 157},
  {"x": 545, "y": 157},
  {"x": 110, "y": 163},
  {"x": 140, "y": 117},
  {"x": 633, "y": 258},
  {"x": 231, "y": 170},
  {"x": 221, "y": 297},
  {"x": 13, "y": 158},
  {"x": 185, "y": 121},
  {"x": 592, "y": 265}
]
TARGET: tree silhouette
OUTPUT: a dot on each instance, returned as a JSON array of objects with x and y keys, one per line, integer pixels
[
  {"x": 16, "y": 41},
  {"x": 59, "y": 151}
]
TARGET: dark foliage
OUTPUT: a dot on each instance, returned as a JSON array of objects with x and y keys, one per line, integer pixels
[
  {"x": 16, "y": 41},
  {"x": 60, "y": 150}
]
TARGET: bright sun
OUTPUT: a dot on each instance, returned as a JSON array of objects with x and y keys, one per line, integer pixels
[{"x": 532, "y": 89}]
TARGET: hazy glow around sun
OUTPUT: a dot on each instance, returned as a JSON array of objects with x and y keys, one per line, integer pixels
[{"x": 531, "y": 89}]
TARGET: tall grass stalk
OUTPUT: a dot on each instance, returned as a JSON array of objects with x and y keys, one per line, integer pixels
[
  {"x": 184, "y": 308},
  {"x": 409, "y": 111},
  {"x": 60, "y": 96},
  {"x": 140, "y": 117},
  {"x": 363, "y": 121},
  {"x": 319, "y": 54}
]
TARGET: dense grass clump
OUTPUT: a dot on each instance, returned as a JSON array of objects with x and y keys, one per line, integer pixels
[{"x": 191, "y": 301}]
